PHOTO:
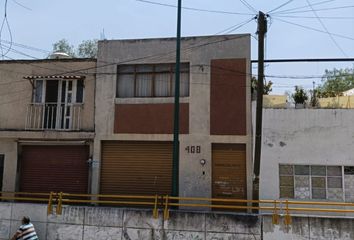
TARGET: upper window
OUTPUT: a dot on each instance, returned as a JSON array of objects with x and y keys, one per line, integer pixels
[
  {"x": 151, "y": 80},
  {"x": 53, "y": 91}
]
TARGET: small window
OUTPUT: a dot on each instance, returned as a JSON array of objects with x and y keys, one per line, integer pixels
[
  {"x": 38, "y": 91},
  {"x": 80, "y": 91},
  {"x": 315, "y": 182}
]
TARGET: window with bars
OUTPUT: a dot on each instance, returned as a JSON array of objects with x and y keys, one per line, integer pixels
[
  {"x": 151, "y": 80},
  {"x": 332, "y": 183}
]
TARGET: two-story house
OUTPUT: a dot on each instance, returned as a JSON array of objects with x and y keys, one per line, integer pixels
[
  {"x": 46, "y": 124},
  {"x": 134, "y": 117}
]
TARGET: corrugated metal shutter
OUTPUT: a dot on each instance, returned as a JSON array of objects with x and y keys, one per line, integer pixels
[
  {"x": 137, "y": 168},
  {"x": 54, "y": 168},
  {"x": 229, "y": 171}
]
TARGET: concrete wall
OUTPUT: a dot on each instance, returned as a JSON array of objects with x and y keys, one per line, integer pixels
[
  {"x": 106, "y": 223},
  {"x": 192, "y": 180},
  {"x": 304, "y": 136},
  {"x": 9, "y": 149}
]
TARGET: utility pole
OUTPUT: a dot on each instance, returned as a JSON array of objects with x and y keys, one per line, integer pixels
[
  {"x": 175, "y": 161},
  {"x": 262, "y": 29}
]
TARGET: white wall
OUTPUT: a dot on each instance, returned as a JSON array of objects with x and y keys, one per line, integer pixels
[{"x": 304, "y": 136}]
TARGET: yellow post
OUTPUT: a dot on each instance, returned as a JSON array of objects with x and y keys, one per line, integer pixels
[
  {"x": 275, "y": 216},
  {"x": 155, "y": 213},
  {"x": 287, "y": 219},
  {"x": 60, "y": 202},
  {"x": 50, "y": 204},
  {"x": 166, "y": 213}
]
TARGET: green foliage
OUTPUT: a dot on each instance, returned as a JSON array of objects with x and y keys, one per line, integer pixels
[
  {"x": 267, "y": 87},
  {"x": 300, "y": 95},
  {"x": 64, "y": 46},
  {"x": 86, "y": 49},
  {"x": 335, "y": 82}
]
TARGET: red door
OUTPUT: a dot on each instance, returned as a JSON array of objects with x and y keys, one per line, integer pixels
[{"x": 54, "y": 168}]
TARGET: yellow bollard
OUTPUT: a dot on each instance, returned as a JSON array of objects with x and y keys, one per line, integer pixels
[
  {"x": 275, "y": 216},
  {"x": 155, "y": 212},
  {"x": 166, "y": 212},
  {"x": 50, "y": 204},
  {"x": 287, "y": 219},
  {"x": 60, "y": 202}
]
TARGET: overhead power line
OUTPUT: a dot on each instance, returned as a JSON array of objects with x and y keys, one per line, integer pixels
[
  {"x": 318, "y": 10},
  {"x": 26, "y": 46},
  {"x": 194, "y": 9},
  {"x": 303, "y": 7},
  {"x": 249, "y": 6},
  {"x": 325, "y": 28},
  {"x": 313, "y": 29},
  {"x": 282, "y": 5},
  {"x": 5, "y": 23},
  {"x": 321, "y": 17},
  {"x": 21, "y": 5},
  {"x": 288, "y": 60}
]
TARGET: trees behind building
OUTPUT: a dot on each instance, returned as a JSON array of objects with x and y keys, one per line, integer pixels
[{"x": 86, "y": 49}]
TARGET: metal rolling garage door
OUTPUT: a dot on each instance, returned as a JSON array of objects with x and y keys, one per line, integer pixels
[
  {"x": 54, "y": 168},
  {"x": 229, "y": 171},
  {"x": 136, "y": 168}
]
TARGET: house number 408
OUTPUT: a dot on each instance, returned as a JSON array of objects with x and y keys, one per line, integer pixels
[{"x": 193, "y": 149}]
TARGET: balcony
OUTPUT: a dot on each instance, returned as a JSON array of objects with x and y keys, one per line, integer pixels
[{"x": 54, "y": 116}]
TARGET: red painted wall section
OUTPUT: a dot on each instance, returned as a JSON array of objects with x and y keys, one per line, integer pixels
[
  {"x": 149, "y": 118},
  {"x": 228, "y": 97}
]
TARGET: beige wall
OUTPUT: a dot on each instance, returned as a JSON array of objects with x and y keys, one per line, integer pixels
[
  {"x": 16, "y": 92},
  {"x": 9, "y": 149},
  {"x": 192, "y": 182},
  {"x": 16, "y": 95}
]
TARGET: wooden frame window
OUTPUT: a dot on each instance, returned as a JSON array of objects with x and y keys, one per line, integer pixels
[{"x": 151, "y": 80}]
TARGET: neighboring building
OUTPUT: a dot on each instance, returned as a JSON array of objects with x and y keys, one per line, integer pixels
[
  {"x": 349, "y": 92},
  {"x": 308, "y": 154},
  {"x": 134, "y": 117},
  {"x": 46, "y": 124}
]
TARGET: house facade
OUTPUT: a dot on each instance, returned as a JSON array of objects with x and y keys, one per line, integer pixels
[
  {"x": 134, "y": 117},
  {"x": 46, "y": 125},
  {"x": 307, "y": 154}
]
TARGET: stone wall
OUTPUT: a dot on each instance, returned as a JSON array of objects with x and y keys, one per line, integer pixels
[{"x": 107, "y": 223}]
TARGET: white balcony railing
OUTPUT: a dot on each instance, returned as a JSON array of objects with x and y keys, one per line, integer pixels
[{"x": 53, "y": 116}]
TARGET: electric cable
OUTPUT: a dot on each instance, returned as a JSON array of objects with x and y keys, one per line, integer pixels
[
  {"x": 326, "y": 30},
  {"x": 321, "y": 9},
  {"x": 247, "y": 5},
  {"x": 21, "y": 5},
  {"x": 282, "y": 5},
  {"x": 302, "y": 7},
  {"x": 5, "y": 21},
  {"x": 313, "y": 29},
  {"x": 321, "y": 17},
  {"x": 193, "y": 9}
]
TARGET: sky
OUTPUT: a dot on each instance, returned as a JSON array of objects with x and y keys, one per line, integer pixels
[{"x": 296, "y": 28}]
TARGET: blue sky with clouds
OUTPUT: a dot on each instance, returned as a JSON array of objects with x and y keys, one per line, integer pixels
[{"x": 39, "y": 23}]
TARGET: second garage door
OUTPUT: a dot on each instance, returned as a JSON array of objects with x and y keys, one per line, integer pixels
[
  {"x": 137, "y": 168},
  {"x": 229, "y": 171}
]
